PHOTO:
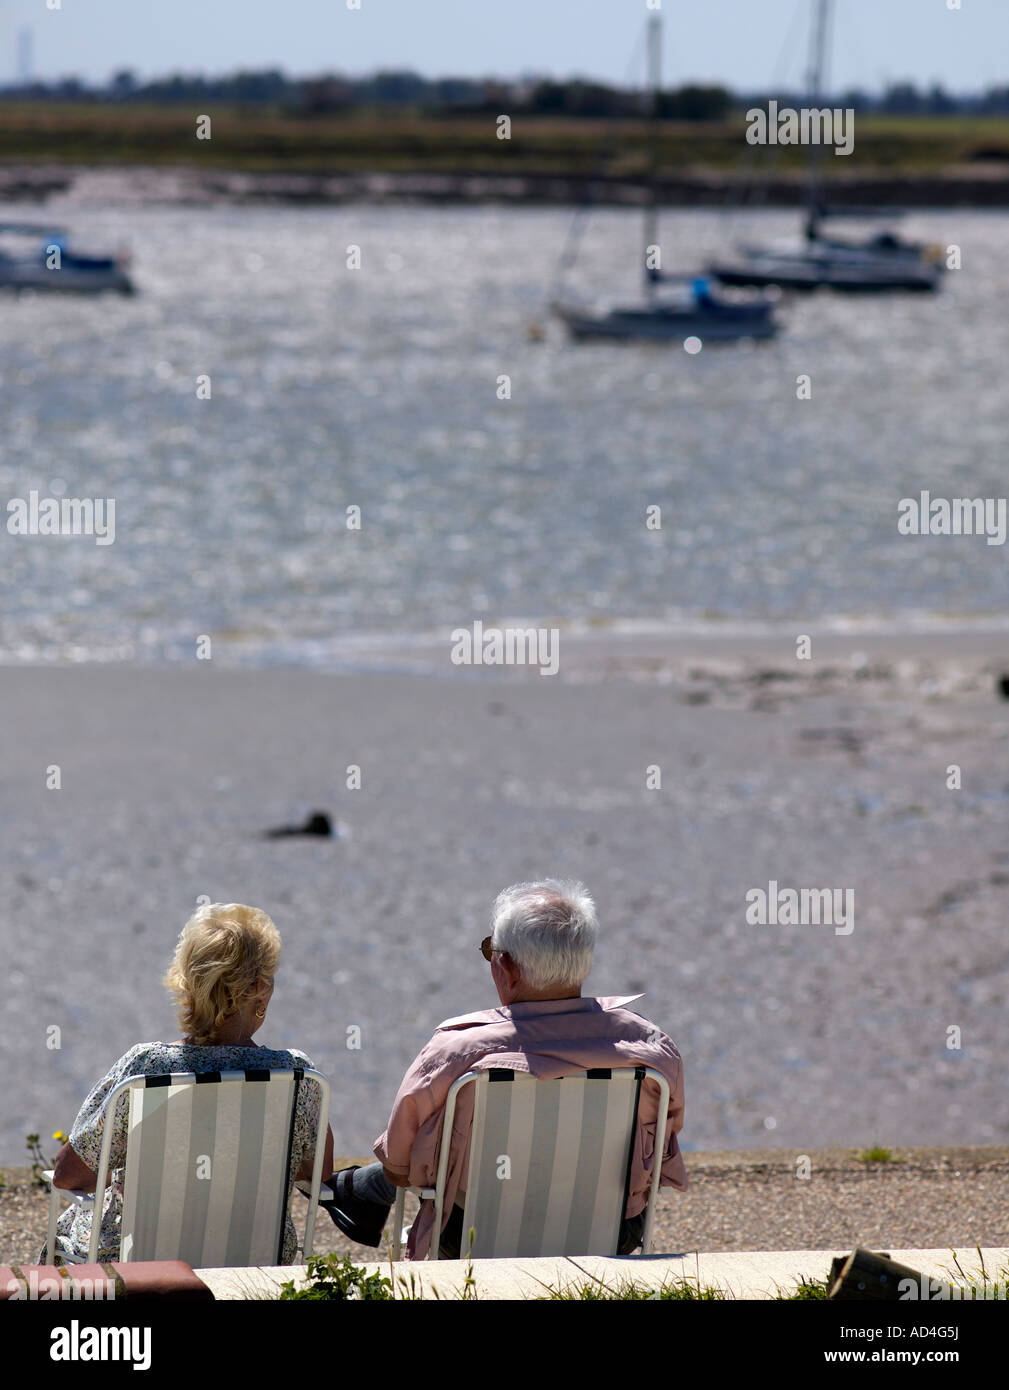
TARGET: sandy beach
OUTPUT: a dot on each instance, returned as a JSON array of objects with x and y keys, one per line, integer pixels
[{"x": 827, "y": 773}]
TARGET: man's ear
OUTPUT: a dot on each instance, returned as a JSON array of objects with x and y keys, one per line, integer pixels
[{"x": 511, "y": 968}]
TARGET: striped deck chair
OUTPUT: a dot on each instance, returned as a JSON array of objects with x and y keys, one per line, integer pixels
[
  {"x": 568, "y": 1145},
  {"x": 207, "y": 1168}
]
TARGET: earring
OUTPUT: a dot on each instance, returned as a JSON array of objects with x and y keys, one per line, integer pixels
[{"x": 260, "y": 1013}]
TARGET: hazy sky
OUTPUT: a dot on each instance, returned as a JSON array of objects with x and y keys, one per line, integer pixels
[{"x": 743, "y": 43}]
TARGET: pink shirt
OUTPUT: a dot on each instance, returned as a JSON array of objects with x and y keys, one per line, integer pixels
[{"x": 547, "y": 1038}]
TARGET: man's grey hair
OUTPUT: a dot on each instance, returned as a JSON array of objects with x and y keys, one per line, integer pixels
[{"x": 549, "y": 930}]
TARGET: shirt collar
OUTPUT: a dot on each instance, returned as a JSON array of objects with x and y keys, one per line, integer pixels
[
  {"x": 539, "y": 1008},
  {"x": 530, "y": 1008}
]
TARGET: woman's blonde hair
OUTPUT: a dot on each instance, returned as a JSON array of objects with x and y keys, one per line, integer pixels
[{"x": 223, "y": 950}]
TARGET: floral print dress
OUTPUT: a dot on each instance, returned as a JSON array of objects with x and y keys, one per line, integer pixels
[{"x": 153, "y": 1059}]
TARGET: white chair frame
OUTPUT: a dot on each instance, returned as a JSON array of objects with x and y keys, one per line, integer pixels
[
  {"x": 96, "y": 1200},
  {"x": 437, "y": 1193}
]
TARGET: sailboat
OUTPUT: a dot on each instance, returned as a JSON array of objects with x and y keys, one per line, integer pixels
[
  {"x": 880, "y": 262},
  {"x": 698, "y": 314}
]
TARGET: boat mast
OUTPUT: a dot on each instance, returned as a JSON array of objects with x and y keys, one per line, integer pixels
[
  {"x": 652, "y": 205},
  {"x": 817, "y": 77}
]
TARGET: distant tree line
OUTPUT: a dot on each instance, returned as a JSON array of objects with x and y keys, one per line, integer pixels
[{"x": 332, "y": 94}]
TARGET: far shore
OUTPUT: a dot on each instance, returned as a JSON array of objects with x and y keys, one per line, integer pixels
[
  {"x": 267, "y": 154},
  {"x": 192, "y": 183}
]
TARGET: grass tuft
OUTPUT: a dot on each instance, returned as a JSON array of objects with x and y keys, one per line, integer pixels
[{"x": 877, "y": 1154}]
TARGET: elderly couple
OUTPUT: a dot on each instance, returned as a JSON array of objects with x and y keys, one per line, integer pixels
[{"x": 539, "y": 951}]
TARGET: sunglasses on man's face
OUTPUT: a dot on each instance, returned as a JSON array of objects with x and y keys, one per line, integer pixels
[{"x": 486, "y": 948}]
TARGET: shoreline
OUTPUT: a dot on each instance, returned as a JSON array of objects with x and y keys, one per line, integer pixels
[
  {"x": 192, "y": 185},
  {"x": 637, "y": 650}
]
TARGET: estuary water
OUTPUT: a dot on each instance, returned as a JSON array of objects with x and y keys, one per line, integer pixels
[{"x": 386, "y": 388}]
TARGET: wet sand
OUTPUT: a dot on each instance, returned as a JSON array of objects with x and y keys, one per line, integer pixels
[{"x": 827, "y": 773}]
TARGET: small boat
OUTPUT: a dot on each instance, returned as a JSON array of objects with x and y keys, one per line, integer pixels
[
  {"x": 695, "y": 317},
  {"x": 50, "y": 265}
]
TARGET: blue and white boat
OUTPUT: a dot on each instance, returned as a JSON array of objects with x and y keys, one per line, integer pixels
[
  {"x": 40, "y": 258},
  {"x": 697, "y": 314}
]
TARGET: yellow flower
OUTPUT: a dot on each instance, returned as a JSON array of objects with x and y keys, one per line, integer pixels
[{"x": 58, "y": 1134}]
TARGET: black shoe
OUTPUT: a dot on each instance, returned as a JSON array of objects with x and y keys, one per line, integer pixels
[
  {"x": 450, "y": 1246},
  {"x": 632, "y": 1232},
  {"x": 362, "y": 1221}
]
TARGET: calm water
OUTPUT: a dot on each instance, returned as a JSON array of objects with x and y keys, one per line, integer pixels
[{"x": 378, "y": 388}]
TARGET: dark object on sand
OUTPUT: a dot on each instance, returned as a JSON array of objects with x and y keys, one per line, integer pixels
[
  {"x": 318, "y": 823},
  {"x": 871, "y": 1275},
  {"x": 1003, "y": 687}
]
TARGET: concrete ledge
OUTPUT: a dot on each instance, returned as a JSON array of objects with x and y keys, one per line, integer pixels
[{"x": 757, "y": 1274}]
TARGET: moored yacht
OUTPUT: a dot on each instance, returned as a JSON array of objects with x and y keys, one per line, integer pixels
[
  {"x": 880, "y": 262},
  {"x": 695, "y": 313}
]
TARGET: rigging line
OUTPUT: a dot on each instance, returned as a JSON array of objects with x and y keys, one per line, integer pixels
[
  {"x": 750, "y": 190},
  {"x": 582, "y": 214},
  {"x": 790, "y": 43}
]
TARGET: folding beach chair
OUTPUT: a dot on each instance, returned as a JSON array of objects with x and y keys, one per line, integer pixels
[
  {"x": 207, "y": 1168},
  {"x": 549, "y": 1162}
]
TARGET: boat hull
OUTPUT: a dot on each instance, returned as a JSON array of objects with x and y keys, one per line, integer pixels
[
  {"x": 69, "y": 279},
  {"x": 856, "y": 277},
  {"x": 668, "y": 325}
]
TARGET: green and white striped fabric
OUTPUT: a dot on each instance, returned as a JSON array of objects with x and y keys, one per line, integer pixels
[
  {"x": 207, "y": 1166},
  {"x": 549, "y": 1162}
]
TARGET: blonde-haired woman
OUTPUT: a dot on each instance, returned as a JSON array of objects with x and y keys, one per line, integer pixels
[{"x": 222, "y": 980}]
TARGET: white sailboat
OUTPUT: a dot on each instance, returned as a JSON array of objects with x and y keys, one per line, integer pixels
[
  {"x": 880, "y": 262},
  {"x": 697, "y": 314}
]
